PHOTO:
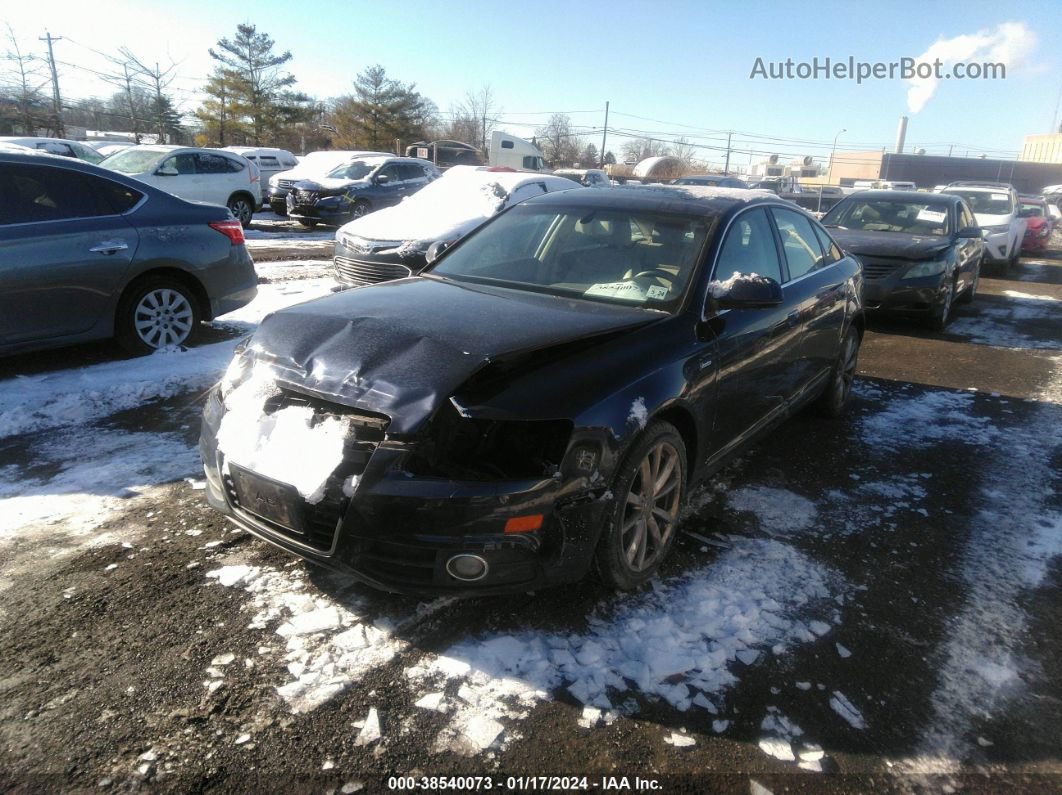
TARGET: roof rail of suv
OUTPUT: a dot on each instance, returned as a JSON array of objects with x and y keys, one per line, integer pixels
[{"x": 980, "y": 183}]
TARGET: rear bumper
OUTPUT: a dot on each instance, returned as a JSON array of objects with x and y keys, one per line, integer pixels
[
  {"x": 233, "y": 285},
  {"x": 398, "y": 531}
]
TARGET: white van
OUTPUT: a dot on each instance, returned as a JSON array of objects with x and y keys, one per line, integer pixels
[
  {"x": 269, "y": 161},
  {"x": 508, "y": 150}
]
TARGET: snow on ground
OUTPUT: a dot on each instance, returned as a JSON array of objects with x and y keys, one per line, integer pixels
[
  {"x": 77, "y": 396},
  {"x": 996, "y": 325},
  {"x": 919, "y": 419},
  {"x": 294, "y": 270},
  {"x": 779, "y": 511},
  {"x": 685, "y": 643},
  {"x": 269, "y": 229},
  {"x": 1010, "y": 543}
]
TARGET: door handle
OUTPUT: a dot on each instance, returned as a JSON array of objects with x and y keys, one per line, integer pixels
[
  {"x": 792, "y": 319},
  {"x": 109, "y": 247}
]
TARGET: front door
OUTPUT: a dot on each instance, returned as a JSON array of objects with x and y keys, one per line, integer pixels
[
  {"x": 758, "y": 349},
  {"x": 63, "y": 252}
]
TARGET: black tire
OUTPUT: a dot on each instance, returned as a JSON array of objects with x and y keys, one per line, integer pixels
[
  {"x": 834, "y": 398},
  {"x": 140, "y": 329},
  {"x": 613, "y": 558},
  {"x": 970, "y": 292},
  {"x": 242, "y": 208},
  {"x": 309, "y": 223},
  {"x": 941, "y": 316}
]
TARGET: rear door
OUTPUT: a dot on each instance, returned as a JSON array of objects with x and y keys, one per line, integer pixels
[
  {"x": 219, "y": 177},
  {"x": 758, "y": 349},
  {"x": 815, "y": 290},
  {"x": 65, "y": 250}
]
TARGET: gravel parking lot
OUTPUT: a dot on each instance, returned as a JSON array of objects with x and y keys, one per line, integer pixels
[{"x": 869, "y": 604}]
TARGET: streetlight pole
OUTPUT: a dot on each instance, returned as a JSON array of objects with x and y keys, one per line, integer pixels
[{"x": 829, "y": 171}]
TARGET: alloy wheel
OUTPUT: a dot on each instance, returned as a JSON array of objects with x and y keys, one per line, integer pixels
[
  {"x": 358, "y": 210},
  {"x": 846, "y": 372},
  {"x": 241, "y": 211},
  {"x": 652, "y": 508},
  {"x": 163, "y": 317}
]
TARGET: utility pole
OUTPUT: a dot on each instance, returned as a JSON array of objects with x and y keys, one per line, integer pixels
[
  {"x": 726, "y": 166},
  {"x": 57, "y": 104},
  {"x": 604, "y": 136}
]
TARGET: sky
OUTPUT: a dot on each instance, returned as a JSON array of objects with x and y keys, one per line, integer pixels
[{"x": 667, "y": 68}]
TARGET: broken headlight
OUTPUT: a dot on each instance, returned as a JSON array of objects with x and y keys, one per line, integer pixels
[{"x": 237, "y": 371}]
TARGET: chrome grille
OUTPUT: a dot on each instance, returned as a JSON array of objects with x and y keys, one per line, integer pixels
[
  {"x": 285, "y": 183},
  {"x": 355, "y": 271}
]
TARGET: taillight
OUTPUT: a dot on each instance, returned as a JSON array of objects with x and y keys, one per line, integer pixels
[{"x": 231, "y": 229}]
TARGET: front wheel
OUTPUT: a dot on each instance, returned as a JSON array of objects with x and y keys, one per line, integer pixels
[
  {"x": 157, "y": 313},
  {"x": 649, "y": 489},
  {"x": 309, "y": 223},
  {"x": 242, "y": 209},
  {"x": 359, "y": 209},
  {"x": 834, "y": 399}
]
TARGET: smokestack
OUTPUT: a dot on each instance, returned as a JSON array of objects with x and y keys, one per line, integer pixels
[{"x": 901, "y": 134}]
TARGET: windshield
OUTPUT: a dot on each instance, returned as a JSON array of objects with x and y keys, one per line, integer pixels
[
  {"x": 884, "y": 215},
  {"x": 355, "y": 169},
  {"x": 616, "y": 256},
  {"x": 985, "y": 203},
  {"x": 697, "y": 181},
  {"x": 132, "y": 161},
  {"x": 1031, "y": 210}
]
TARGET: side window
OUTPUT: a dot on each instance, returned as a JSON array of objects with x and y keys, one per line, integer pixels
[
  {"x": 182, "y": 164},
  {"x": 507, "y": 144},
  {"x": 56, "y": 148},
  {"x": 121, "y": 198},
  {"x": 391, "y": 172},
  {"x": 530, "y": 162},
  {"x": 216, "y": 164},
  {"x": 831, "y": 249},
  {"x": 749, "y": 247},
  {"x": 965, "y": 216},
  {"x": 39, "y": 193},
  {"x": 268, "y": 161},
  {"x": 411, "y": 172},
  {"x": 801, "y": 246}
]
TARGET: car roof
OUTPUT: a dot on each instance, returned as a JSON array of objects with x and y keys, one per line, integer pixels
[
  {"x": 686, "y": 199},
  {"x": 906, "y": 195},
  {"x": 36, "y": 158},
  {"x": 982, "y": 187}
]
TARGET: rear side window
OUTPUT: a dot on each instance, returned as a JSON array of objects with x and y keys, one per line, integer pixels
[
  {"x": 216, "y": 164},
  {"x": 749, "y": 247},
  {"x": 121, "y": 198},
  {"x": 802, "y": 250},
  {"x": 269, "y": 161},
  {"x": 31, "y": 194},
  {"x": 411, "y": 172}
]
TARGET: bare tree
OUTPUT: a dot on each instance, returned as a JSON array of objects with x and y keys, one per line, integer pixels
[
  {"x": 125, "y": 81},
  {"x": 685, "y": 151},
  {"x": 157, "y": 80},
  {"x": 479, "y": 115},
  {"x": 637, "y": 149},
  {"x": 560, "y": 145},
  {"x": 24, "y": 83}
]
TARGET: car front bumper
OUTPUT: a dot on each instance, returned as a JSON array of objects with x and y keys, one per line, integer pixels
[
  {"x": 1036, "y": 239},
  {"x": 998, "y": 247},
  {"x": 325, "y": 212},
  {"x": 908, "y": 296},
  {"x": 398, "y": 530}
]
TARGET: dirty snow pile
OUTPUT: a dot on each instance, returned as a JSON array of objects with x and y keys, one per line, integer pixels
[
  {"x": 925, "y": 418},
  {"x": 292, "y": 444},
  {"x": 677, "y": 644},
  {"x": 329, "y": 644}
]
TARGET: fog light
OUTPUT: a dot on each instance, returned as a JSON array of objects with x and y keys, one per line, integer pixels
[{"x": 467, "y": 567}]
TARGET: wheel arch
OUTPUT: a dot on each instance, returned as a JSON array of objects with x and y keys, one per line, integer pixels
[
  {"x": 681, "y": 418},
  {"x": 188, "y": 280}
]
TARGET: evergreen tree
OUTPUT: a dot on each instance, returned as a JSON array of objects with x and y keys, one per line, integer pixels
[
  {"x": 588, "y": 159},
  {"x": 380, "y": 111},
  {"x": 254, "y": 80},
  {"x": 222, "y": 112}
]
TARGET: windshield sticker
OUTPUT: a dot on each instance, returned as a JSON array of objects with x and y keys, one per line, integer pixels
[
  {"x": 627, "y": 291},
  {"x": 657, "y": 292},
  {"x": 999, "y": 197},
  {"x": 933, "y": 216}
]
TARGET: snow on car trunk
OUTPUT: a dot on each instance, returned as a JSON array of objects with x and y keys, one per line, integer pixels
[{"x": 293, "y": 444}]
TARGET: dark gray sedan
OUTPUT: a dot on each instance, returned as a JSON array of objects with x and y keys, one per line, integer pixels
[{"x": 88, "y": 254}]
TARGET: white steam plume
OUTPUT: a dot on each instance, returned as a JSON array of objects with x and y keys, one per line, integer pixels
[{"x": 1009, "y": 43}]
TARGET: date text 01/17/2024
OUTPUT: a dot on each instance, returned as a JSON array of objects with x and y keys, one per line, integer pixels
[{"x": 522, "y": 783}]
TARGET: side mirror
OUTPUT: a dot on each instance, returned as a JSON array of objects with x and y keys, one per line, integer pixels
[
  {"x": 382, "y": 179},
  {"x": 745, "y": 291},
  {"x": 435, "y": 250},
  {"x": 166, "y": 172},
  {"x": 970, "y": 231}
]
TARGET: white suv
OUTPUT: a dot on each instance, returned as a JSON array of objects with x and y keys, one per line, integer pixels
[
  {"x": 211, "y": 176},
  {"x": 995, "y": 206}
]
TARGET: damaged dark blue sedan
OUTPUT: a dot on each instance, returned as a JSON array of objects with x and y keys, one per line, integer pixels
[{"x": 539, "y": 402}]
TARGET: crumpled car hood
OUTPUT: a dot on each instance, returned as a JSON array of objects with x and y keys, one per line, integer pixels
[
  {"x": 896, "y": 245},
  {"x": 330, "y": 184},
  {"x": 404, "y": 348}
]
